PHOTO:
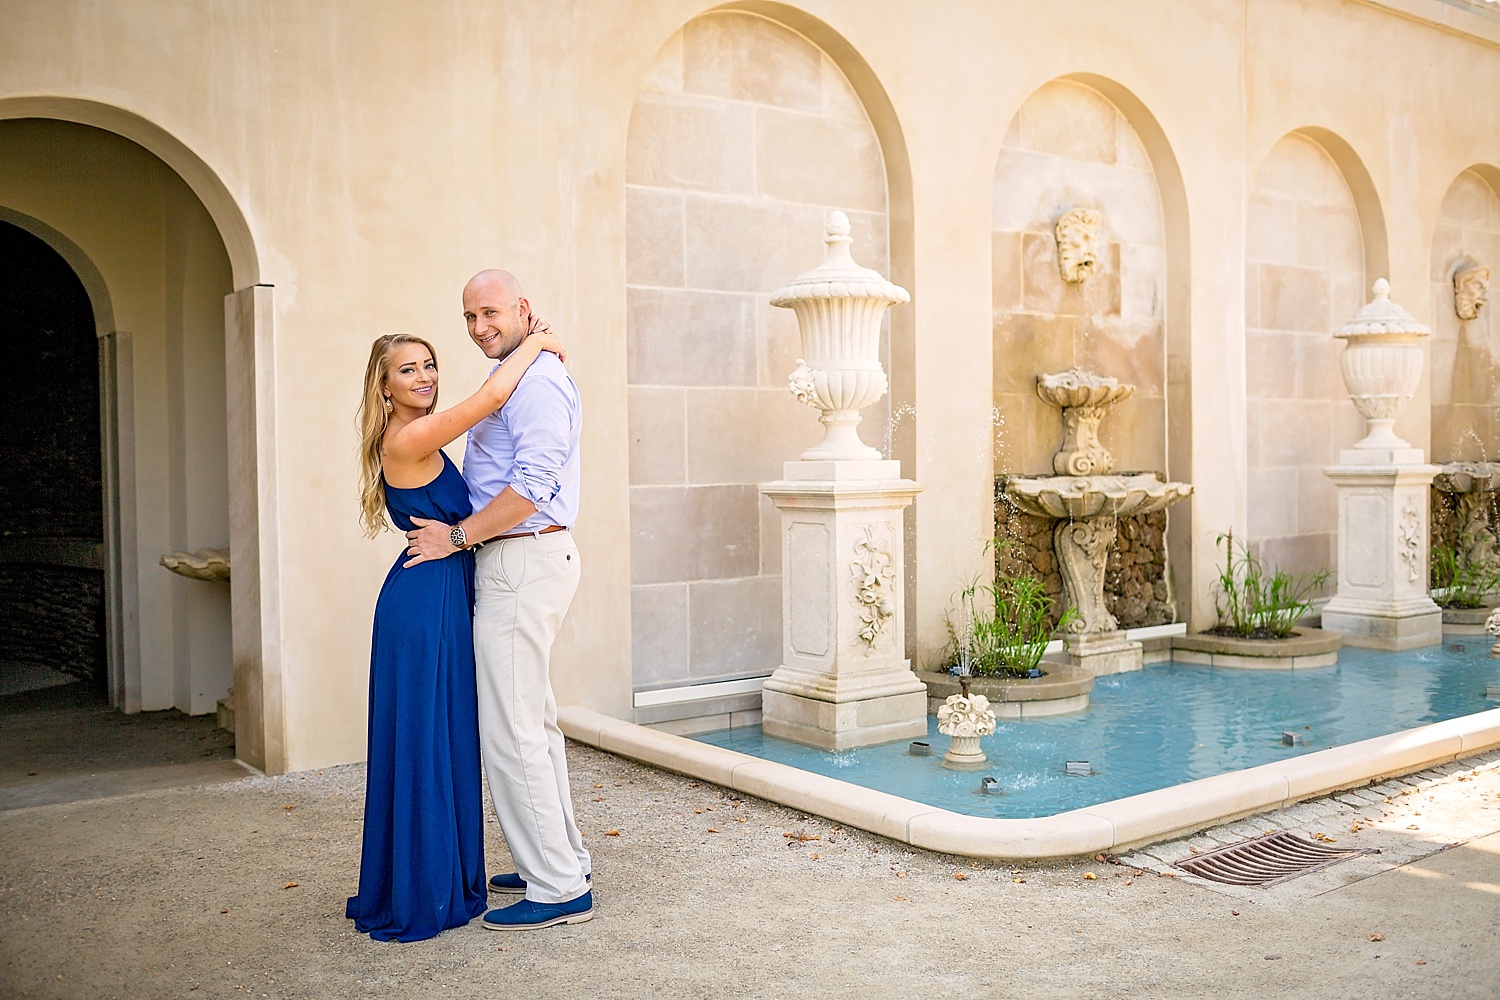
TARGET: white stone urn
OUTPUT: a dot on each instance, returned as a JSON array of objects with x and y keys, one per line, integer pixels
[
  {"x": 1492, "y": 626},
  {"x": 839, "y": 307},
  {"x": 1382, "y": 364},
  {"x": 965, "y": 718}
]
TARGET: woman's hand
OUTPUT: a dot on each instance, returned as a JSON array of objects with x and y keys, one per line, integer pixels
[{"x": 548, "y": 341}]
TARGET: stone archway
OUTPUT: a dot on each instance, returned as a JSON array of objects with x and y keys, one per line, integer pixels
[{"x": 183, "y": 359}]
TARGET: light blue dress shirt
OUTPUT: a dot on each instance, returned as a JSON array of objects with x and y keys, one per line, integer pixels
[{"x": 531, "y": 445}]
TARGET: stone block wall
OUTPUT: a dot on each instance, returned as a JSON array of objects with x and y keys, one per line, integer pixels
[
  {"x": 1304, "y": 275},
  {"x": 743, "y": 136},
  {"x": 1069, "y": 147},
  {"x": 1465, "y": 382}
]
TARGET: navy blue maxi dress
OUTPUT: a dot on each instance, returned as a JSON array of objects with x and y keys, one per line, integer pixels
[{"x": 421, "y": 869}]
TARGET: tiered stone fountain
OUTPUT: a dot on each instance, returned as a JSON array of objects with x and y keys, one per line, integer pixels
[
  {"x": 1087, "y": 502},
  {"x": 1473, "y": 486}
]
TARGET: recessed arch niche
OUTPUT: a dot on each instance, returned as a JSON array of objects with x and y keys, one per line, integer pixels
[
  {"x": 1466, "y": 351},
  {"x": 1315, "y": 240},
  {"x": 745, "y": 132},
  {"x": 1085, "y": 142}
]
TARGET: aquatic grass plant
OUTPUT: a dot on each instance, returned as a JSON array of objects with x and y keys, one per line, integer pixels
[
  {"x": 1255, "y": 601},
  {"x": 1459, "y": 581},
  {"x": 1002, "y": 630}
]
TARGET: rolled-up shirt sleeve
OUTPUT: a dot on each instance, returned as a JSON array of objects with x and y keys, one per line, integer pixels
[{"x": 540, "y": 417}]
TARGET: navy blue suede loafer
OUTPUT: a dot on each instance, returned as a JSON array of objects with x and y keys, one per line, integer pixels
[
  {"x": 512, "y": 884},
  {"x": 529, "y": 916}
]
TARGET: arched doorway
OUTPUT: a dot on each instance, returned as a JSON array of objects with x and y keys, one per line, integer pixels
[
  {"x": 118, "y": 453},
  {"x": 51, "y": 494}
]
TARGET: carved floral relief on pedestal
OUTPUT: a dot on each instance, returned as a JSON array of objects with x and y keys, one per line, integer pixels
[
  {"x": 1409, "y": 539},
  {"x": 874, "y": 570},
  {"x": 1077, "y": 235}
]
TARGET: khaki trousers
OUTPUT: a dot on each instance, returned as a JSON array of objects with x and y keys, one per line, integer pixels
[{"x": 523, "y": 587}]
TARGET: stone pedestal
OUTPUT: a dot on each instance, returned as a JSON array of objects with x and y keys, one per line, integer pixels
[
  {"x": 1103, "y": 653},
  {"x": 1382, "y": 600},
  {"x": 844, "y": 680}
]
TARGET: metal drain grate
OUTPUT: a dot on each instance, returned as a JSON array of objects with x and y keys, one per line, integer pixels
[{"x": 1266, "y": 861}]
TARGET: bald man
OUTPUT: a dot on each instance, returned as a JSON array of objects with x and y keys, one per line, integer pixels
[{"x": 522, "y": 468}]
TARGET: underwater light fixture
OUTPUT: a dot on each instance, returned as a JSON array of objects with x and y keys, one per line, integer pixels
[
  {"x": 1492, "y": 692},
  {"x": 1291, "y": 739},
  {"x": 989, "y": 786},
  {"x": 920, "y": 748},
  {"x": 1081, "y": 768}
]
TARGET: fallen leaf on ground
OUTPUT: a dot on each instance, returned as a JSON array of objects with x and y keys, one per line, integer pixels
[
  {"x": 901, "y": 874},
  {"x": 598, "y": 786},
  {"x": 611, "y": 833},
  {"x": 1421, "y": 961},
  {"x": 713, "y": 829},
  {"x": 815, "y": 856},
  {"x": 223, "y": 911},
  {"x": 290, "y": 885},
  {"x": 288, "y": 808},
  {"x": 1377, "y": 936},
  {"x": 1018, "y": 881},
  {"x": 900, "y": 899},
  {"x": 598, "y": 798},
  {"x": 742, "y": 819},
  {"x": 698, "y": 811},
  {"x": 801, "y": 835},
  {"x": 960, "y": 877},
  {"x": 1234, "y": 913},
  {"x": 1090, "y": 876}
]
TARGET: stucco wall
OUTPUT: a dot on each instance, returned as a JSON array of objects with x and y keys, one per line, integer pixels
[{"x": 365, "y": 159}]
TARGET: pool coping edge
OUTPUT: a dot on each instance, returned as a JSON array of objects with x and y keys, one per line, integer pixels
[{"x": 1113, "y": 826}]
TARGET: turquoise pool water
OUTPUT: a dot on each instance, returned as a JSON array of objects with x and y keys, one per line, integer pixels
[{"x": 1165, "y": 725}]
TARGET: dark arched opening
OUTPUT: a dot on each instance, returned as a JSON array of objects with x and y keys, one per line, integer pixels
[{"x": 51, "y": 492}]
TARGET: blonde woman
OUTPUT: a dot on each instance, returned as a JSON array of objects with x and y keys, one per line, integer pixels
[{"x": 422, "y": 863}]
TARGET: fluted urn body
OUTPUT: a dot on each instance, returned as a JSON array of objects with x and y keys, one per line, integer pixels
[
  {"x": 1382, "y": 366},
  {"x": 839, "y": 307}
]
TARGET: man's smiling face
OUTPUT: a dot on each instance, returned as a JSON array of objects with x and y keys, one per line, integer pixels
[{"x": 498, "y": 318}]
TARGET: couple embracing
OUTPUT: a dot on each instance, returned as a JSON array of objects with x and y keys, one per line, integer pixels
[{"x": 464, "y": 627}]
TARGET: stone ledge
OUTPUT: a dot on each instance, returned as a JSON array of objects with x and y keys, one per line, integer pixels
[
  {"x": 1122, "y": 824},
  {"x": 1060, "y": 681},
  {"x": 1468, "y": 621},
  {"x": 1305, "y": 648}
]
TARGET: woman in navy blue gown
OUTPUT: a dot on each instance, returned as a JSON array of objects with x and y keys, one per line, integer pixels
[{"x": 421, "y": 868}]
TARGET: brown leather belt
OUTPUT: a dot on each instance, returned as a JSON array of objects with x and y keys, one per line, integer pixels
[{"x": 525, "y": 534}]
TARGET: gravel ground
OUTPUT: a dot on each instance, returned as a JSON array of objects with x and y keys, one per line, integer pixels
[{"x": 238, "y": 889}]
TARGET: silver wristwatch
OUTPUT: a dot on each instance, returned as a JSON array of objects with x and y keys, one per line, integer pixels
[{"x": 457, "y": 537}]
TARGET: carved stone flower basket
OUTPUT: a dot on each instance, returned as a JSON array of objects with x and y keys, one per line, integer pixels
[
  {"x": 965, "y": 718},
  {"x": 1493, "y": 628}
]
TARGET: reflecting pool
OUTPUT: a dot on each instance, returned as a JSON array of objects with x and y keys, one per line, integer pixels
[{"x": 1165, "y": 725}]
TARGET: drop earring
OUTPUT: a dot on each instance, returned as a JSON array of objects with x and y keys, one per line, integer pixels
[{"x": 388, "y": 405}]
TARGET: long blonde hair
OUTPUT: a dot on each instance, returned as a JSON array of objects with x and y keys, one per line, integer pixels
[{"x": 373, "y": 420}]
